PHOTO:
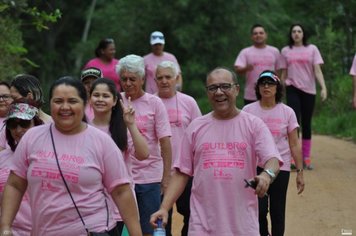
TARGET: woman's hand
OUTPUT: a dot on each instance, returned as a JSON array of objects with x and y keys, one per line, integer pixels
[{"x": 128, "y": 112}]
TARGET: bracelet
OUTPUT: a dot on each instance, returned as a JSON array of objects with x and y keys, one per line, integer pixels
[{"x": 299, "y": 170}]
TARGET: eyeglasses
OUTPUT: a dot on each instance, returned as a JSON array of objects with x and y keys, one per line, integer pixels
[
  {"x": 5, "y": 97},
  {"x": 13, "y": 123},
  {"x": 267, "y": 82},
  {"x": 157, "y": 37},
  {"x": 225, "y": 87}
]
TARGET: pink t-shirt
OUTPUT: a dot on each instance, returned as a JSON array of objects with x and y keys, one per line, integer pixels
[
  {"x": 152, "y": 122},
  {"x": 280, "y": 120},
  {"x": 353, "y": 67},
  {"x": 151, "y": 63},
  {"x": 182, "y": 110},
  {"x": 220, "y": 154},
  {"x": 299, "y": 62},
  {"x": 91, "y": 163},
  {"x": 22, "y": 224},
  {"x": 266, "y": 58},
  {"x": 89, "y": 112},
  {"x": 109, "y": 70}
]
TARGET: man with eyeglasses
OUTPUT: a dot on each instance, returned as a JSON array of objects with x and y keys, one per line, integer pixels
[
  {"x": 221, "y": 150},
  {"x": 152, "y": 59},
  {"x": 182, "y": 110},
  {"x": 252, "y": 60}
]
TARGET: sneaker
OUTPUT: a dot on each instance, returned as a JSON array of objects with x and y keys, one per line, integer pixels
[{"x": 308, "y": 167}]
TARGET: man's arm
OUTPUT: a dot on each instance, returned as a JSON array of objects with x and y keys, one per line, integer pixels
[
  {"x": 263, "y": 180},
  {"x": 166, "y": 153}
]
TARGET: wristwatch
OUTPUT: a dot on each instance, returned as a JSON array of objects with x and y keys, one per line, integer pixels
[{"x": 270, "y": 173}]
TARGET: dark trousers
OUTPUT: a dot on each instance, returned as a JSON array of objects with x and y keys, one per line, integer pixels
[
  {"x": 303, "y": 105},
  {"x": 183, "y": 208},
  {"x": 275, "y": 203}
]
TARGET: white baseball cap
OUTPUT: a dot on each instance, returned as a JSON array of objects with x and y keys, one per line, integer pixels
[{"x": 157, "y": 37}]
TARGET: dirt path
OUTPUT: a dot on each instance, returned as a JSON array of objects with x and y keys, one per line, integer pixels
[{"x": 328, "y": 204}]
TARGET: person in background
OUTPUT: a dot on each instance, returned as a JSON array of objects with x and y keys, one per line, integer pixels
[
  {"x": 252, "y": 60},
  {"x": 68, "y": 163},
  {"x": 26, "y": 86},
  {"x": 115, "y": 119},
  {"x": 182, "y": 110},
  {"x": 105, "y": 61},
  {"x": 88, "y": 76},
  {"x": 151, "y": 176},
  {"x": 282, "y": 122},
  {"x": 5, "y": 101},
  {"x": 300, "y": 64},
  {"x": 21, "y": 117},
  {"x": 353, "y": 74},
  {"x": 152, "y": 59},
  {"x": 220, "y": 150}
]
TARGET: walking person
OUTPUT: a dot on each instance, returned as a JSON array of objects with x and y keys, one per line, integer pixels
[
  {"x": 282, "y": 122},
  {"x": 219, "y": 149},
  {"x": 353, "y": 74},
  {"x": 252, "y": 60},
  {"x": 156, "y": 56},
  {"x": 67, "y": 167},
  {"x": 151, "y": 176},
  {"x": 300, "y": 63},
  {"x": 182, "y": 110}
]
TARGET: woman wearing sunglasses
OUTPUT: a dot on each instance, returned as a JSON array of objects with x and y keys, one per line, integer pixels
[
  {"x": 282, "y": 122},
  {"x": 23, "y": 114}
]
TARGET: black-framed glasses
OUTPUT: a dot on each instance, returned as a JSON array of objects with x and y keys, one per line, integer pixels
[
  {"x": 5, "y": 97},
  {"x": 263, "y": 83},
  {"x": 13, "y": 123},
  {"x": 225, "y": 87}
]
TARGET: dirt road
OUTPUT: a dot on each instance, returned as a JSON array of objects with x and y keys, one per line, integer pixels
[{"x": 328, "y": 204}]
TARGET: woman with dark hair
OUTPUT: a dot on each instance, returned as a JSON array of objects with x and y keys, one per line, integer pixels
[
  {"x": 69, "y": 167},
  {"x": 105, "y": 61},
  {"x": 282, "y": 123},
  {"x": 300, "y": 63},
  {"x": 28, "y": 86},
  {"x": 115, "y": 119},
  {"x": 21, "y": 117}
]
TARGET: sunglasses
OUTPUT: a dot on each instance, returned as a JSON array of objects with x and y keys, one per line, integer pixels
[
  {"x": 13, "y": 123},
  {"x": 263, "y": 83},
  {"x": 157, "y": 37}
]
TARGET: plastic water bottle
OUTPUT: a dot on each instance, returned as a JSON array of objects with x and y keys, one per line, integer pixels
[{"x": 159, "y": 231}]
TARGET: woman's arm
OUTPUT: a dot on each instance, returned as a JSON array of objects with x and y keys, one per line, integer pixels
[
  {"x": 297, "y": 156},
  {"x": 125, "y": 202},
  {"x": 14, "y": 190},
  {"x": 166, "y": 153},
  {"x": 320, "y": 77}
]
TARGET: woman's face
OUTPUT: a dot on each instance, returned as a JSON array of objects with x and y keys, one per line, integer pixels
[
  {"x": 109, "y": 52},
  {"x": 67, "y": 109},
  {"x": 267, "y": 89},
  {"x": 102, "y": 99},
  {"x": 15, "y": 93},
  {"x": 297, "y": 34},
  {"x": 18, "y": 127},
  {"x": 5, "y": 100}
]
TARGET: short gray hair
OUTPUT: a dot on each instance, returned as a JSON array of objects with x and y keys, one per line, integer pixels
[
  {"x": 169, "y": 65},
  {"x": 131, "y": 63}
]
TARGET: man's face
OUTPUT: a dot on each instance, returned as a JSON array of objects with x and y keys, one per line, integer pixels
[
  {"x": 166, "y": 82},
  {"x": 222, "y": 92},
  {"x": 132, "y": 84},
  {"x": 157, "y": 49},
  {"x": 259, "y": 36}
]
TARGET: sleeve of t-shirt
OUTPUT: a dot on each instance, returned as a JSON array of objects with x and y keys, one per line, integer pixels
[
  {"x": 162, "y": 126},
  {"x": 317, "y": 59},
  {"x": 283, "y": 59},
  {"x": 3, "y": 137},
  {"x": 292, "y": 121},
  {"x": 264, "y": 142},
  {"x": 20, "y": 163},
  {"x": 278, "y": 56},
  {"x": 184, "y": 162},
  {"x": 241, "y": 59},
  {"x": 195, "y": 111},
  {"x": 353, "y": 67},
  {"x": 114, "y": 168}
]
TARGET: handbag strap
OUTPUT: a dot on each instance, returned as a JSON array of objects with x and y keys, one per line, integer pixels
[{"x": 70, "y": 194}]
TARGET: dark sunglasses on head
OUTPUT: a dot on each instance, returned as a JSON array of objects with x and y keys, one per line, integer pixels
[
  {"x": 157, "y": 37},
  {"x": 267, "y": 82},
  {"x": 13, "y": 123}
]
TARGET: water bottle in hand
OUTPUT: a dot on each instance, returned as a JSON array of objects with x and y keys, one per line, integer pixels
[{"x": 159, "y": 231}]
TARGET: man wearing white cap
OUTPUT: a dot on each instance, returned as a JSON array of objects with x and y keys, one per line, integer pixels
[{"x": 152, "y": 59}]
